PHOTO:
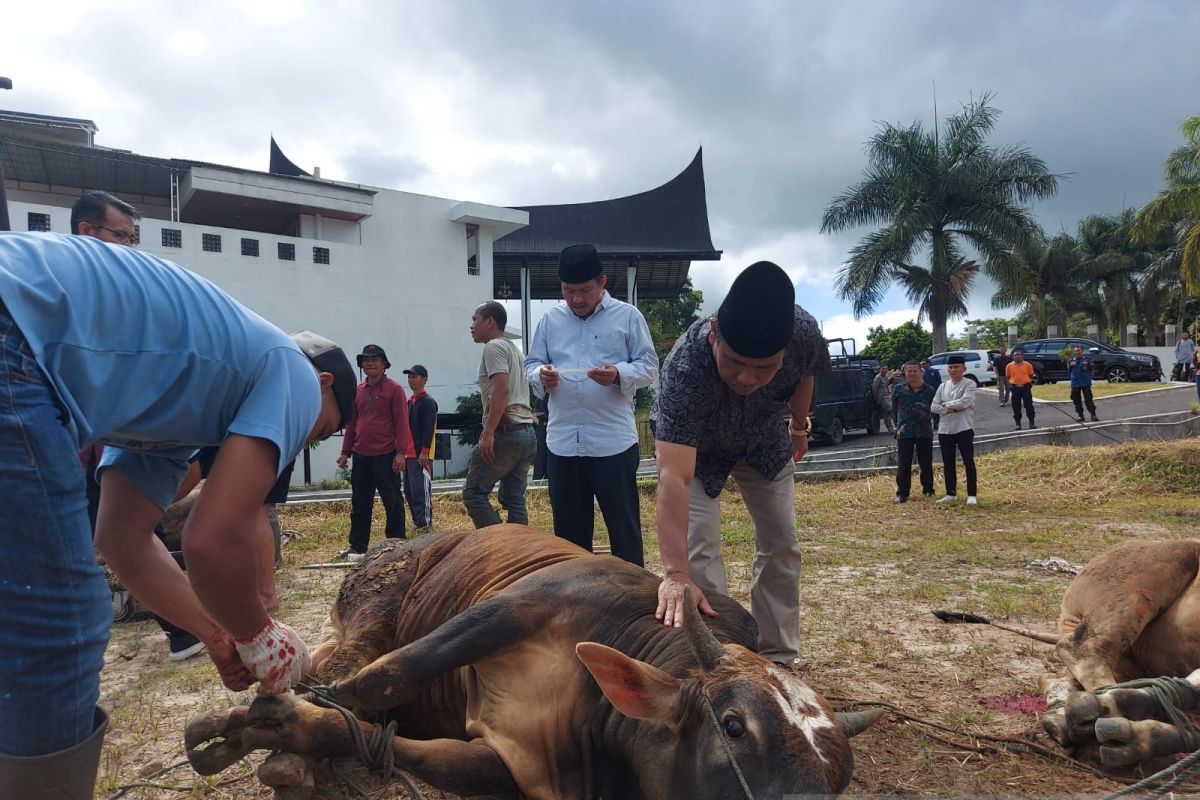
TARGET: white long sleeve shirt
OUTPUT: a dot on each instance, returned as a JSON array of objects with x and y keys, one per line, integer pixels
[{"x": 955, "y": 402}]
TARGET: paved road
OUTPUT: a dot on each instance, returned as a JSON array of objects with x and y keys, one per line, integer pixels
[{"x": 990, "y": 418}]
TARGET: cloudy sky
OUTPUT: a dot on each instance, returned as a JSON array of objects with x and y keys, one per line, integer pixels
[{"x": 519, "y": 102}]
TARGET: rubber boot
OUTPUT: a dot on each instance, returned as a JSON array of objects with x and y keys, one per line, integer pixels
[{"x": 66, "y": 775}]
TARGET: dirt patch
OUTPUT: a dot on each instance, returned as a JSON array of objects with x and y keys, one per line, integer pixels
[{"x": 963, "y": 716}]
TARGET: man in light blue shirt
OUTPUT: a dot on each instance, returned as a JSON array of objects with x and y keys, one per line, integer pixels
[
  {"x": 101, "y": 343},
  {"x": 589, "y": 356}
]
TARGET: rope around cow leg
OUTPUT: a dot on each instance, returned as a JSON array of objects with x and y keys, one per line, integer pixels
[
  {"x": 1173, "y": 696},
  {"x": 1175, "y": 774},
  {"x": 377, "y": 753}
]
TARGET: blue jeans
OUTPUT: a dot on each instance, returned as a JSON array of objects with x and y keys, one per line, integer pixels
[
  {"x": 56, "y": 605},
  {"x": 514, "y": 450}
]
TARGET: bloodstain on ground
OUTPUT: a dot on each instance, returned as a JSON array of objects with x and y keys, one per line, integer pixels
[{"x": 1016, "y": 704}]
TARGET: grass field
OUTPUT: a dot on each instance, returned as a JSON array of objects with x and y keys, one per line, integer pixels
[
  {"x": 873, "y": 572},
  {"x": 1061, "y": 391}
]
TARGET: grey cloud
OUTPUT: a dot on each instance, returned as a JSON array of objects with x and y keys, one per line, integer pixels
[{"x": 782, "y": 95}]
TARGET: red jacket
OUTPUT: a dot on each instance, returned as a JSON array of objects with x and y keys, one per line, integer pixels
[{"x": 380, "y": 424}]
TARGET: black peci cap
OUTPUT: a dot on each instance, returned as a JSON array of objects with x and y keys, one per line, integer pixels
[
  {"x": 758, "y": 316},
  {"x": 579, "y": 263},
  {"x": 955, "y": 360},
  {"x": 326, "y": 356}
]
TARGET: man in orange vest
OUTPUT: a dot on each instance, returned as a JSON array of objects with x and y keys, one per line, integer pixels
[{"x": 1020, "y": 376}]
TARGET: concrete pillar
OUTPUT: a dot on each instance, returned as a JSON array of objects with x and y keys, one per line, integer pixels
[
  {"x": 1012, "y": 335},
  {"x": 1131, "y": 335},
  {"x": 631, "y": 284},
  {"x": 1094, "y": 332},
  {"x": 526, "y": 306},
  {"x": 1169, "y": 334},
  {"x": 972, "y": 338},
  {"x": 1051, "y": 331}
]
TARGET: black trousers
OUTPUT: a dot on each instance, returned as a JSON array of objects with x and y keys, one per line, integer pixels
[
  {"x": 1022, "y": 395},
  {"x": 904, "y": 458},
  {"x": 612, "y": 480},
  {"x": 369, "y": 474},
  {"x": 964, "y": 442},
  {"x": 1084, "y": 394}
]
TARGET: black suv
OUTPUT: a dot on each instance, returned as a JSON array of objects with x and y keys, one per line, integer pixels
[{"x": 1108, "y": 363}]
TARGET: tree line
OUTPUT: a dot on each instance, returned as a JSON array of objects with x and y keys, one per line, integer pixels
[{"x": 949, "y": 205}]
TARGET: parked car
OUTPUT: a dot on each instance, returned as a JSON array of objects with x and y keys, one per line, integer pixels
[
  {"x": 1112, "y": 364},
  {"x": 842, "y": 399},
  {"x": 977, "y": 362}
]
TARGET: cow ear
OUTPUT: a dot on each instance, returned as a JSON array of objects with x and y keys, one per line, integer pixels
[{"x": 635, "y": 688}]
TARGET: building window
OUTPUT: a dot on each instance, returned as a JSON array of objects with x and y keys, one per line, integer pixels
[
  {"x": 39, "y": 222},
  {"x": 211, "y": 242},
  {"x": 287, "y": 251},
  {"x": 172, "y": 237},
  {"x": 472, "y": 249},
  {"x": 250, "y": 247},
  {"x": 320, "y": 255}
]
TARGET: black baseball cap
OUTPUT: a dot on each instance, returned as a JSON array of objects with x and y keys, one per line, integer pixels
[
  {"x": 326, "y": 356},
  {"x": 417, "y": 369}
]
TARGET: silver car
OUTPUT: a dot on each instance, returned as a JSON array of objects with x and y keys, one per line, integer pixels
[{"x": 977, "y": 362}]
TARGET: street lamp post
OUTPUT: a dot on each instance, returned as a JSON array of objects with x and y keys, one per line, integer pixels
[{"x": 5, "y": 83}]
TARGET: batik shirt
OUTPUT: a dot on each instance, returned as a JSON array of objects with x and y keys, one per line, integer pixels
[
  {"x": 695, "y": 408},
  {"x": 911, "y": 411}
]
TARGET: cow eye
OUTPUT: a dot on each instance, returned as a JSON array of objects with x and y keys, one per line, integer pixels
[{"x": 734, "y": 728}]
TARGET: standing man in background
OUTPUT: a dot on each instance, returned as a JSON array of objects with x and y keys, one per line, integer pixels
[
  {"x": 932, "y": 378},
  {"x": 589, "y": 356},
  {"x": 954, "y": 400},
  {"x": 881, "y": 392},
  {"x": 725, "y": 392},
  {"x": 418, "y": 469},
  {"x": 911, "y": 406},
  {"x": 1079, "y": 366},
  {"x": 507, "y": 443},
  {"x": 378, "y": 438},
  {"x": 1021, "y": 376},
  {"x": 1185, "y": 353},
  {"x": 1000, "y": 363}
]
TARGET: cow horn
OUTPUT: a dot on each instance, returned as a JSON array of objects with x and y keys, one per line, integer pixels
[
  {"x": 853, "y": 723},
  {"x": 706, "y": 647}
]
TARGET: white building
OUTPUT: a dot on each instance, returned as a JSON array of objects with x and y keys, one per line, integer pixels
[{"x": 355, "y": 263}]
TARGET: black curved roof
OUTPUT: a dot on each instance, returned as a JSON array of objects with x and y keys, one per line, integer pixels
[{"x": 661, "y": 231}]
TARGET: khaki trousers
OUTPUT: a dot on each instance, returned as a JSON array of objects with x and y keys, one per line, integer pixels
[{"x": 775, "y": 579}]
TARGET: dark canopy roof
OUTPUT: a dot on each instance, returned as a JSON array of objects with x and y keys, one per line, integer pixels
[
  {"x": 661, "y": 231},
  {"x": 281, "y": 164}
]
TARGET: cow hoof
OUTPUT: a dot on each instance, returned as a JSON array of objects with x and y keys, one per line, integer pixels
[
  {"x": 1113, "y": 729},
  {"x": 289, "y": 775},
  {"x": 1115, "y": 758},
  {"x": 1082, "y": 709},
  {"x": 1056, "y": 727},
  {"x": 214, "y": 740}
]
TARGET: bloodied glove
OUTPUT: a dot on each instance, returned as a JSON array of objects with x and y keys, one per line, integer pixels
[{"x": 276, "y": 656}]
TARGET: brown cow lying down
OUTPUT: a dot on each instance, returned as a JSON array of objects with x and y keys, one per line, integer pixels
[
  {"x": 514, "y": 661},
  {"x": 1132, "y": 612}
]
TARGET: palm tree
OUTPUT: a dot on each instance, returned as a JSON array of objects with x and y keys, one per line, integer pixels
[
  {"x": 1111, "y": 262},
  {"x": 937, "y": 194},
  {"x": 1045, "y": 284},
  {"x": 1178, "y": 207}
]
